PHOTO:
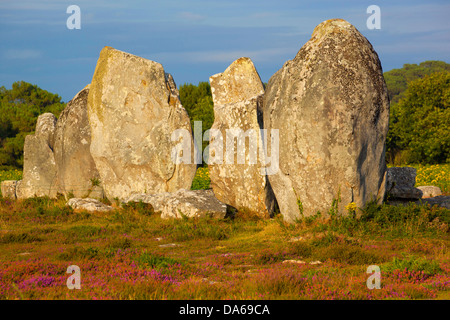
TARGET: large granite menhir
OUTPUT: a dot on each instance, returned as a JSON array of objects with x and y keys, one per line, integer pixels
[
  {"x": 76, "y": 173},
  {"x": 331, "y": 108},
  {"x": 113, "y": 138},
  {"x": 239, "y": 182},
  {"x": 57, "y": 158},
  {"x": 133, "y": 109}
]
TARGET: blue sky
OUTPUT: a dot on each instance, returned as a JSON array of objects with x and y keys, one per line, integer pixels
[{"x": 194, "y": 39}]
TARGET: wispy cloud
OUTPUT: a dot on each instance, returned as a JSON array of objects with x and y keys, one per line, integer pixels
[
  {"x": 412, "y": 19},
  {"x": 191, "y": 16},
  {"x": 22, "y": 54},
  {"x": 47, "y": 5},
  {"x": 222, "y": 56}
]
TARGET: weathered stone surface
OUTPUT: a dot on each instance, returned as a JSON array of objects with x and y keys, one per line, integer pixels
[
  {"x": 239, "y": 82},
  {"x": 133, "y": 109},
  {"x": 193, "y": 203},
  {"x": 19, "y": 190},
  {"x": 76, "y": 170},
  {"x": 331, "y": 108},
  {"x": 39, "y": 168},
  {"x": 156, "y": 200},
  {"x": 88, "y": 204},
  {"x": 430, "y": 191},
  {"x": 400, "y": 183},
  {"x": 8, "y": 188},
  {"x": 241, "y": 183},
  {"x": 440, "y": 201}
]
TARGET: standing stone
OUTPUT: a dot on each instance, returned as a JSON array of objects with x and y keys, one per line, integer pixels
[
  {"x": 238, "y": 94},
  {"x": 39, "y": 167},
  {"x": 331, "y": 108},
  {"x": 8, "y": 188},
  {"x": 133, "y": 110},
  {"x": 76, "y": 170}
]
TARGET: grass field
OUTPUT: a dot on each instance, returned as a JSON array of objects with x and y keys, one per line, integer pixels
[{"x": 131, "y": 253}]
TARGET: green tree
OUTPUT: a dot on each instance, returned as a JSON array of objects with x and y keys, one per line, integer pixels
[
  {"x": 197, "y": 100},
  {"x": 420, "y": 122},
  {"x": 20, "y": 107},
  {"x": 397, "y": 79}
]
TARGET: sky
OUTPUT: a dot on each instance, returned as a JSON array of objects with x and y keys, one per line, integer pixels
[{"x": 195, "y": 39}]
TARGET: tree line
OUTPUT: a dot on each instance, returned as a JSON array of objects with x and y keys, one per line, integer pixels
[
  {"x": 20, "y": 107},
  {"x": 419, "y": 126}
]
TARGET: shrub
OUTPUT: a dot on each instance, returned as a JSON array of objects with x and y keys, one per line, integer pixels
[
  {"x": 420, "y": 122},
  {"x": 201, "y": 180},
  {"x": 154, "y": 261},
  {"x": 350, "y": 254},
  {"x": 140, "y": 207},
  {"x": 22, "y": 237},
  {"x": 413, "y": 264}
]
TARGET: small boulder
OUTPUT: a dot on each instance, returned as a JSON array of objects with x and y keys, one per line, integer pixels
[
  {"x": 8, "y": 188},
  {"x": 88, "y": 204},
  {"x": 440, "y": 201},
  {"x": 157, "y": 200},
  {"x": 400, "y": 183},
  {"x": 294, "y": 261},
  {"x": 193, "y": 203},
  {"x": 430, "y": 191}
]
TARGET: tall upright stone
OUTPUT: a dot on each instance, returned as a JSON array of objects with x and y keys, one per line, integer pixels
[
  {"x": 39, "y": 167},
  {"x": 76, "y": 170},
  {"x": 239, "y": 182},
  {"x": 133, "y": 110},
  {"x": 331, "y": 108}
]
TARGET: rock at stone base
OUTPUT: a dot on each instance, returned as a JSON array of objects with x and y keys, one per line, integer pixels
[
  {"x": 430, "y": 191},
  {"x": 156, "y": 200},
  {"x": 400, "y": 183},
  {"x": 440, "y": 201},
  {"x": 88, "y": 204},
  {"x": 191, "y": 203},
  {"x": 8, "y": 188},
  {"x": 294, "y": 261}
]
